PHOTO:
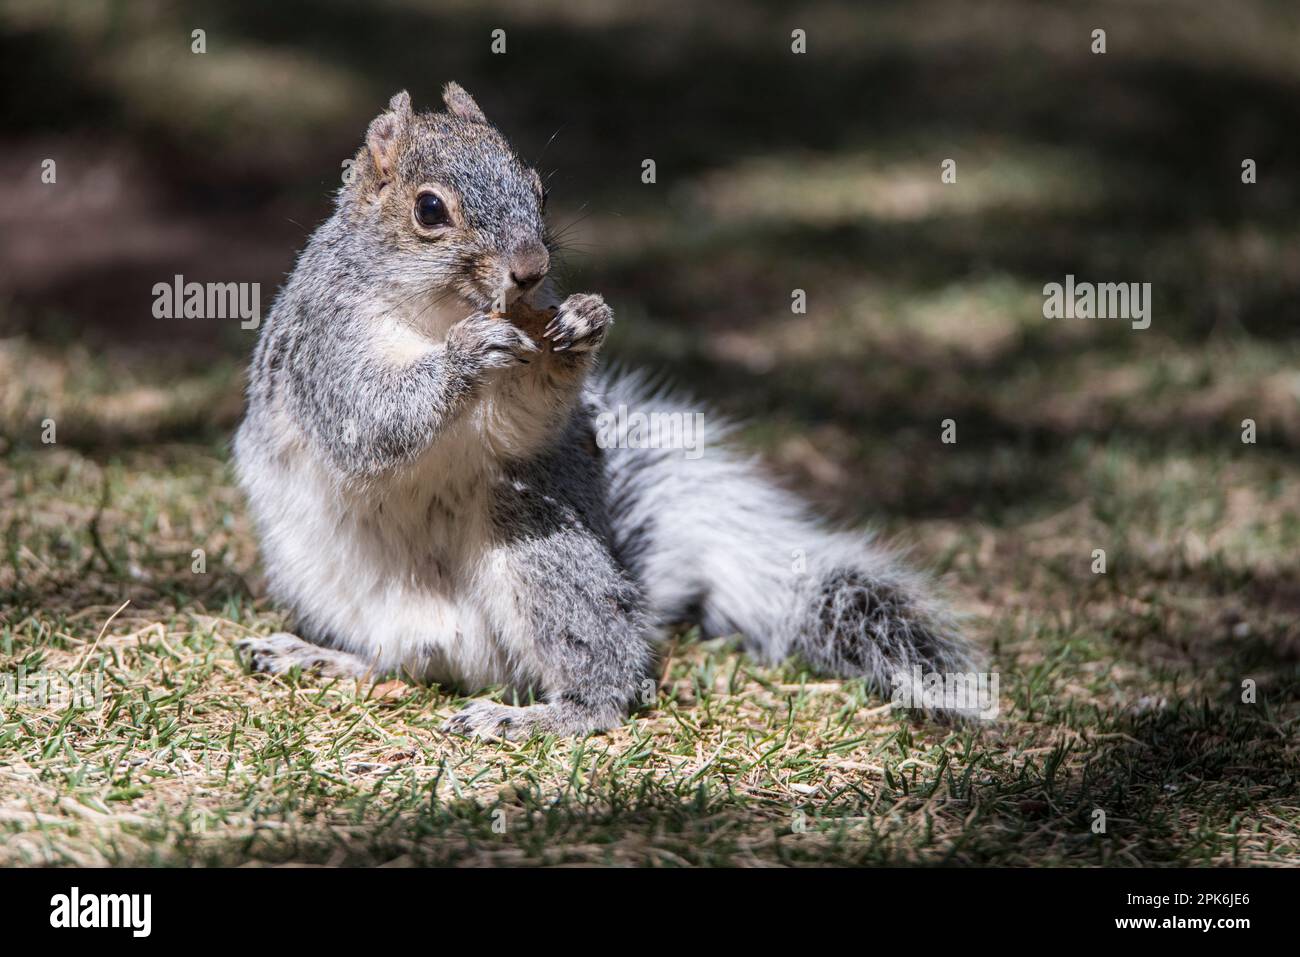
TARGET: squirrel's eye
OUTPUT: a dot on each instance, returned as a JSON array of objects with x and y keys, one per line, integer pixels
[{"x": 431, "y": 211}]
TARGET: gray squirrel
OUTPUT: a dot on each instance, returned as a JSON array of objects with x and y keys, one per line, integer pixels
[{"x": 432, "y": 498}]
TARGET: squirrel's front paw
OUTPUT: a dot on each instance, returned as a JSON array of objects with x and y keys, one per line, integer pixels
[
  {"x": 580, "y": 325},
  {"x": 487, "y": 342}
]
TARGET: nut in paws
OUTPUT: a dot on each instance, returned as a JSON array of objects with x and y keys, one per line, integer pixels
[{"x": 492, "y": 343}]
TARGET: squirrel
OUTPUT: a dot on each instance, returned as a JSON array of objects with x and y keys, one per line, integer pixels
[{"x": 430, "y": 499}]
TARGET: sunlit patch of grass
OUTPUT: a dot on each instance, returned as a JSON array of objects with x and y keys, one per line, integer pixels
[
  {"x": 887, "y": 183},
  {"x": 95, "y": 399}
]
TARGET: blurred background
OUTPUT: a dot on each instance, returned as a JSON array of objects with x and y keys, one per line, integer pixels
[{"x": 775, "y": 172}]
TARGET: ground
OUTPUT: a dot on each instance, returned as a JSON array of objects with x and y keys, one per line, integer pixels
[{"x": 1161, "y": 692}]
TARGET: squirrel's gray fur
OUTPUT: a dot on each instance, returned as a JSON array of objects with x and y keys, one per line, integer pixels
[{"x": 431, "y": 499}]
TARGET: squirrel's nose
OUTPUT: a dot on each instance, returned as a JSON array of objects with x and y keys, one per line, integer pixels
[{"x": 528, "y": 266}]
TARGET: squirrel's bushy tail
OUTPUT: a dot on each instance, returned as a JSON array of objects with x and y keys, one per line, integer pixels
[{"x": 712, "y": 539}]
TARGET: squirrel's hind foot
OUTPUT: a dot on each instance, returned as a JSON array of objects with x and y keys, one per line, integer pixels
[
  {"x": 488, "y": 719},
  {"x": 281, "y": 652}
]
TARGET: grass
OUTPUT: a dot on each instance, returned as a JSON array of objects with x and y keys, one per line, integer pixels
[{"x": 1120, "y": 692}]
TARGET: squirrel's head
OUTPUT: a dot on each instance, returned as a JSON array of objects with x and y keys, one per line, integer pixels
[{"x": 451, "y": 205}]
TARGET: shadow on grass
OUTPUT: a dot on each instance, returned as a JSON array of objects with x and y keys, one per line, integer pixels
[
  {"x": 104, "y": 578},
  {"x": 1189, "y": 784},
  {"x": 1173, "y": 784}
]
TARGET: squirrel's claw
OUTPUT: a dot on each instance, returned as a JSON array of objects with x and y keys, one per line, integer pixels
[{"x": 580, "y": 324}]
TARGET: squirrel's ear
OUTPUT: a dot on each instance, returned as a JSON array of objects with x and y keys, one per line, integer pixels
[
  {"x": 461, "y": 103},
  {"x": 386, "y": 131}
]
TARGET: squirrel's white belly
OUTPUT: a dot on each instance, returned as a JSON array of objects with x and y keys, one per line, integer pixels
[{"x": 383, "y": 574}]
